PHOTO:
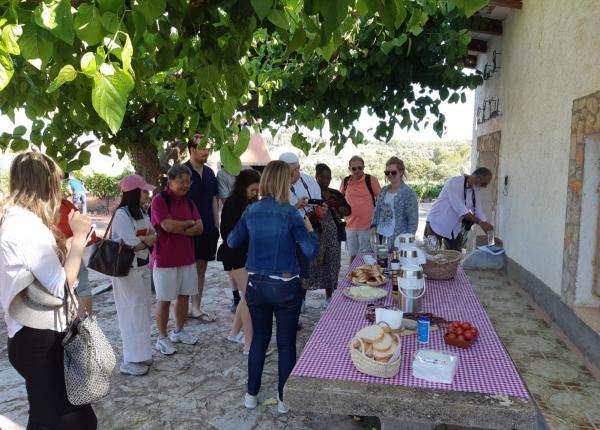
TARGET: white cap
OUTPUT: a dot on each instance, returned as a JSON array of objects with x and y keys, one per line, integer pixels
[{"x": 289, "y": 157}]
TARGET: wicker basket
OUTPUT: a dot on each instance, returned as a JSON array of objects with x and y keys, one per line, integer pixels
[
  {"x": 445, "y": 270},
  {"x": 370, "y": 366}
]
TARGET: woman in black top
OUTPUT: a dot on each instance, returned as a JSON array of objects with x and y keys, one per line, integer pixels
[
  {"x": 325, "y": 269},
  {"x": 244, "y": 192}
]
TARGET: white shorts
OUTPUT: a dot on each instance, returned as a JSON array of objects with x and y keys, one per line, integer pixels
[
  {"x": 171, "y": 282},
  {"x": 358, "y": 241}
]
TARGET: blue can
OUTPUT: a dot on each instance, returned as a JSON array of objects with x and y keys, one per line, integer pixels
[{"x": 423, "y": 329}]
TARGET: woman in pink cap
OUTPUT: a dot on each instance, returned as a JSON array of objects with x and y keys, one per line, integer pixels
[{"x": 133, "y": 298}]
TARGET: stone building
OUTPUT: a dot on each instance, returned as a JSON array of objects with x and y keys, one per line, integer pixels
[{"x": 537, "y": 126}]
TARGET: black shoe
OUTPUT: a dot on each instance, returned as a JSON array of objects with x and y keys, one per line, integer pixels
[
  {"x": 299, "y": 326},
  {"x": 234, "y": 306}
]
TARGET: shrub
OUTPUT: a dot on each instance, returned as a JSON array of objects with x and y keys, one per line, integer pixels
[{"x": 426, "y": 191}]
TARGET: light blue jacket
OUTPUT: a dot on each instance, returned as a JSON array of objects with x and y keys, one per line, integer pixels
[{"x": 406, "y": 210}]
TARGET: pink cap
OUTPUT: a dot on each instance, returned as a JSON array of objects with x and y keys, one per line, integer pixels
[{"x": 132, "y": 182}]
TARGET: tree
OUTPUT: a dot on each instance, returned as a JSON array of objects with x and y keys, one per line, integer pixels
[
  {"x": 103, "y": 186},
  {"x": 143, "y": 76}
]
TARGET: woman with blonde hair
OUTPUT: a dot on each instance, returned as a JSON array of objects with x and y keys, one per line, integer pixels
[
  {"x": 397, "y": 210},
  {"x": 36, "y": 258},
  {"x": 272, "y": 227}
]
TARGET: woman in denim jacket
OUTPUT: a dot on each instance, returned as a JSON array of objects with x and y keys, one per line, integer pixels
[
  {"x": 273, "y": 228},
  {"x": 397, "y": 210}
]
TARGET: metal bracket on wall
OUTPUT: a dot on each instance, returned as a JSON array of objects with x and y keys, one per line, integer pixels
[
  {"x": 488, "y": 110},
  {"x": 490, "y": 69}
]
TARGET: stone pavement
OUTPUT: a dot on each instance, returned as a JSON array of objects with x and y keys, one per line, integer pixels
[{"x": 201, "y": 387}]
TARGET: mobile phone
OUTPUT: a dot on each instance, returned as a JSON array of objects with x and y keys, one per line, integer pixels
[{"x": 317, "y": 202}]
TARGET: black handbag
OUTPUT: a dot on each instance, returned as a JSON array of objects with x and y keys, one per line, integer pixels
[
  {"x": 340, "y": 225},
  {"x": 110, "y": 257}
]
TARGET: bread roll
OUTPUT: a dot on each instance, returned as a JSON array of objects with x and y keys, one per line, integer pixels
[
  {"x": 369, "y": 350},
  {"x": 380, "y": 355}
]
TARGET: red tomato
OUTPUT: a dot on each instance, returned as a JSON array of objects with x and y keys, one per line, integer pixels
[
  {"x": 451, "y": 336},
  {"x": 459, "y": 331},
  {"x": 451, "y": 329},
  {"x": 455, "y": 324},
  {"x": 475, "y": 331},
  {"x": 468, "y": 335},
  {"x": 466, "y": 325},
  {"x": 461, "y": 337}
]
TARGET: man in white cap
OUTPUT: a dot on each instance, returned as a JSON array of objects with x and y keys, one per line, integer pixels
[{"x": 304, "y": 187}]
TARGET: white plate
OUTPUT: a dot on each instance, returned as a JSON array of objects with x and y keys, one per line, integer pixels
[{"x": 381, "y": 295}]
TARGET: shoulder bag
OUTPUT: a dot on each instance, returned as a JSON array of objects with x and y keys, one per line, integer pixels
[
  {"x": 110, "y": 257},
  {"x": 89, "y": 359}
]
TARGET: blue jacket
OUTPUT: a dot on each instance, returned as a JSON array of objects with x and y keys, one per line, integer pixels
[
  {"x": 273, "y": 230},
  {"x": 406, "y": 210}
]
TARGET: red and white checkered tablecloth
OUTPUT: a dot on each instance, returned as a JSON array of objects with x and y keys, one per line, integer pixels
[{"x": 484, "y": 368}]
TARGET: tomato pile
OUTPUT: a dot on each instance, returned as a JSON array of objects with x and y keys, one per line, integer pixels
[{"x": 461, "y": 331}]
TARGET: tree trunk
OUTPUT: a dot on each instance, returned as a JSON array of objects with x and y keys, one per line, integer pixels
[{"x": 146, "y": 163}]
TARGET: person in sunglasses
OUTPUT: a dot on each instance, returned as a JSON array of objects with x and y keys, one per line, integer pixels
[
  {"x": 361, "y": 191},
  {"x": 397, "y": 210}
]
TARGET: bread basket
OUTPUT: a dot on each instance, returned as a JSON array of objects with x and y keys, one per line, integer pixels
[
  {"x": 442, "y": 270},
  {"x": 371, "y": 366}
]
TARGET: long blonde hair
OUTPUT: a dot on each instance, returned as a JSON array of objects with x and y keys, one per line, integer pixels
[
  {"x": 35, "y": 185},
  {"x": 276, "y": 181}
]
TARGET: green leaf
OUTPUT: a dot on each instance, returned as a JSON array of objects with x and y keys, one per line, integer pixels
[
  {"x": 88, "y": 64},
  {"x": 181, "y": 88},
  {"x": 36, "y": 46},
  {"x": 109, "y": 97},
  {"x": 110, "y": 22},
  {"x": 300, "y": 142},
  {"x": 231, "y": 161},
  {"x": 454, "y": 98},
  {"x": 243, "y": 140},
  {"x": 328, "y": 50},
  {"x": 333, "y": 13},
  {"x": 444, "y": 93},
  {"x": 19, "y": 130},
  {"x": 278, "y": 18},
  {"x": 262, "y": 7},
  {"x": 6, "y": 70},
  {"x": 88, "y": 26},
  {"x": 311, "y": 7},
  {"x": 151, "y": 9},
  {"x": 10, "y": 37},
  {"x": 56, "y": 17},
  {"x": 127, "y": 53},
  {"x": 471, "y": 6},
  {"x": 110, "y": 5},
  {"x": 397, "y": 42},
  {"x": 66, "y": 74},
  {"x": 297, "y": 41}
]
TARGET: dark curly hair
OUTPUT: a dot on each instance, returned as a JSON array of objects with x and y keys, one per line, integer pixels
[{"x": 242, "y": 182}]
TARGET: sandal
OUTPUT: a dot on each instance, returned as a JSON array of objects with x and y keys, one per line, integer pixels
[{"x": 206, "y": 317}]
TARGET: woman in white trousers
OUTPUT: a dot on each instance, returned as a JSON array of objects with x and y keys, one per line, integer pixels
[{"x": 133, "y": 298}]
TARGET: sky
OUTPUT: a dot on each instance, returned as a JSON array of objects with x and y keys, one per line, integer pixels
[{"x": 459, "y": 126}]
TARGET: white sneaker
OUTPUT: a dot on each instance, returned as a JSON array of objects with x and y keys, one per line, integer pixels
[
  {"x": 238, "y": 338},
  {"x": 165, "y": 346},
  {"x": 183, "y": 337},
  {"x": 281, "y": 407},
  {"x": 133, "y": 369},
  {"x": 303, "y": 307},
  {"x": 250, "y": 402}
]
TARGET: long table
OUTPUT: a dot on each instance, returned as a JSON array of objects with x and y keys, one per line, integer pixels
[{"x": 487, "y": 391}]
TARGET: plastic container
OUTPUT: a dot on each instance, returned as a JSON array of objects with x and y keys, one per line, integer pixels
[{"x": 435, "y": 366}]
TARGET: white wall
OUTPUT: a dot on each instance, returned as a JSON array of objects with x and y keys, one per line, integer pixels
[{"x": 550, "y": 56}]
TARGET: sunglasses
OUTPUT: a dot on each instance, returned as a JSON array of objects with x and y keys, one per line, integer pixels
[
  {"x": 359, "y": 168},
  {"x": 390, "y": 172}
]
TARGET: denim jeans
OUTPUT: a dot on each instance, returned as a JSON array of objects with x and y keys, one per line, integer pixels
[
  {"x": 265, "y": 297},
  {"x": 80, "y": 202}
]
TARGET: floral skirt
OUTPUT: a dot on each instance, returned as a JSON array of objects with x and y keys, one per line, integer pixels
[{"x": 325, "y": 268}]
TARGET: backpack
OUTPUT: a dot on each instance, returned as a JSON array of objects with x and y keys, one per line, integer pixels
[{"x": 367, "y": 182}]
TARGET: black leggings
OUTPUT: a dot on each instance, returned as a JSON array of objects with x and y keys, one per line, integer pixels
[{"x": 38, "y": 357}]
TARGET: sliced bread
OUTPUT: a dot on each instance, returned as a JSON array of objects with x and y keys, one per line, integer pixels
[
  {"x": 384, "y": 344},
  {"x": 371, "y": 334},
  {"x": 387, "y": 354}
]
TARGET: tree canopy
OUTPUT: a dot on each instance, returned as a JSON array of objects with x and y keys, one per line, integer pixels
[{"x": 143, "y": 75}]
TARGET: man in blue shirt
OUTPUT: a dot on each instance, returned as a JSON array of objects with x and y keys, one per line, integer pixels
[
  {"x": 78, "y": 191},
  {"x": 204, "y": 193}
]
